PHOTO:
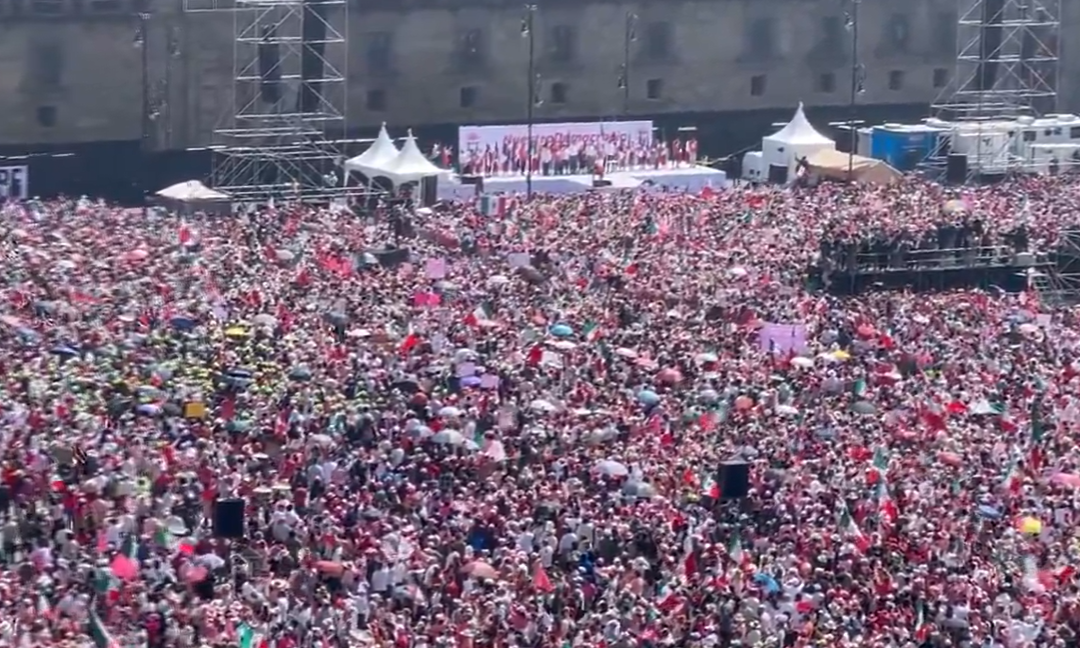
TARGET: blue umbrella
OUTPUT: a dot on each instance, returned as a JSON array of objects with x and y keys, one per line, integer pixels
[
  {"x": 561, "y": 330},
  {"x": 648, "y": 397},
  {"x": 470, "y": 381},
  {"x": 987, "y": 511},
  {"x": 767, "y": 582},
  {"x": 148, "y": 409},
  {"x": 182, "y": 322},
  {"x": 64, "y": 350}
]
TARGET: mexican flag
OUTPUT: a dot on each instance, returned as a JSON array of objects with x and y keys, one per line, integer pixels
[
  {"x": 886, "y": 506},
  {"x": 735, "y": 549},
  {"x": 922, "y": 628},
  {"x": 248, "y": 638},
  {"x": 851, "y": 530},
  {"x": 591, "y": 332},
  {"x": 479, "y": 316},
  {"x": 1010, "y": 481},
  {"x": 98, "y": 632},
  {"x": 709, "y": 487}
]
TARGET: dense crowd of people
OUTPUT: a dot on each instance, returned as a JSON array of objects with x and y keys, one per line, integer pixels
[{"x": 510, "y": 434}]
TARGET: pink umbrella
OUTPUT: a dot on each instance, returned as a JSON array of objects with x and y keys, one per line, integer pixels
[
  {"x": 481, "y": 569},
  {"x": 669, "y": 375},
  {"x": 1066, "y": 479},
  {"x": 950, "y": 458}
]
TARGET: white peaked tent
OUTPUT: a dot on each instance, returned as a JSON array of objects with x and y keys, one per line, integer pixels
[
  {"x": 191, "y": 191},
  {"x": 372, "y": 161},
  {"x": 410, "y": 165},
  {"x": 796, "y": 140}
]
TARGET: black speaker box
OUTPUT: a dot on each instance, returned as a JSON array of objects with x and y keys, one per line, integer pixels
[
  {"x": 956, "y": 168},
  {"x": 229, "y": 518},
  {"x": 734, "y": 479}
]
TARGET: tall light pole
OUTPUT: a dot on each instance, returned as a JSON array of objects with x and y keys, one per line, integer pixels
[
  {"x": 629, "y": 36},
  {"x": 531, "y": 78},
  {"x": 853, "y": 23}
]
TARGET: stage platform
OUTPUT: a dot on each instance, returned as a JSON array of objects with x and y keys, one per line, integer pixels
[
  {"x": 689, "y": 179},
  {"x": 936, "y": 270}
]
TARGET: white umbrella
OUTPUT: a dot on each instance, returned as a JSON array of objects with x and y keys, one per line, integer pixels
[
  {"x": 564, "y": 345},
  {"x": 450, "y": 412},
  {"x": 449, "y": 437},
  {"x": 541, "y": 405},
  {"x": 612, "y": 468},
  {"x": 803, "y": 362},
  {"x": 498, "y": 280},
  {"x": 265, "y": 319}
]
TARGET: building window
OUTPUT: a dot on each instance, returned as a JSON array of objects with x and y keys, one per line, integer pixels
[
  {"x": 472, "y": 47},
  {"x": 46, "y": 116},
  {"x": 376, "y": 100},
  {"x": 48, "y": 65},
  {"x": 1074, "y": 132},
  {"x": 562, "y": 45},
  {"x": 896, "y": 80},
  {"x": 654, "y": 88},
  {"x": 900, "y": 32},
  {"x": 757, "y": 85},
  {"x": 658, "y": 41},
  {"x": 467, "y": 97},
  {"x": 558, "y": 92},
  {"x": 106, "y": 6},
  {"x": 377, "y": 54},
  {"x": 762, "y": 39},
  {"x": 47, "y": 7},
  {"x": 826, "y": 82},
  {"x": 941, "y": 77}
]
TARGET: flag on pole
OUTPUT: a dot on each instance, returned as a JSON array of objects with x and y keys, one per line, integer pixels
[
  {"x": 1010, "y": 481},
  {"x": 735, "y": 548},
  {"x": 886, "y": 506},
  {"x": 709, "y": 487},
  {"x": 479, "y": 316},
  {"x": 591, "y": 332},
  {"x": 851, "y": 530},
  {"x": 99, "y": 633}
]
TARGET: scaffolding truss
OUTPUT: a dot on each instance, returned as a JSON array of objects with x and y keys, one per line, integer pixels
[
  {"x": 288, "y": 100},
  {"x": 1006, "y": 67},
  {"x": 1006, "y": 60}
]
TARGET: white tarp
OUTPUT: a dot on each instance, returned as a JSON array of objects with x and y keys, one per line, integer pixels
[
  {"x": 373, "y": 161},
  {"x": 796, "y": 140},
  {"x": 191, "y": 191},
  {"x": 410, "y": 165}
]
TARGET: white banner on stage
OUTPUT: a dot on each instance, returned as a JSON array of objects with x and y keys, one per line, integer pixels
[
  {"x": 503, "y": 139},
  {"x": 14, "y": 182}
]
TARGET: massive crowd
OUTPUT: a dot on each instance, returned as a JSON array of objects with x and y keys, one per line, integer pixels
[{"x": 510, "y": 436}]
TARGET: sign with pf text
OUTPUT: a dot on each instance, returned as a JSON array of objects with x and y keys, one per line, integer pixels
[{"x": 14, "y": 182}]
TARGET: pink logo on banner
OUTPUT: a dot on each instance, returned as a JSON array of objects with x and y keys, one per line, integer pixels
[
  {"x": 426, "y": 299},
  {"x": 435, "y": 268},
  {"x": 782, "y": 338}
]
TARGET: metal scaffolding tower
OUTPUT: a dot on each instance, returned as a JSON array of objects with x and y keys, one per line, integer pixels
[
  {"x": 1006, "y": 60},
  {"x": 1006, "y": 67},
  {"x": 288, "y": 100}
]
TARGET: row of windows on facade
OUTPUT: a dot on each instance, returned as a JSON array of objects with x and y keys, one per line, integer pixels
[
  {"x": 559, "y": 92},
  {"x": 65, "y": 7},
  {"x": 655, "y": 40}
]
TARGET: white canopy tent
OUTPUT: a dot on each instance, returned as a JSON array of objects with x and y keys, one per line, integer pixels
[
  {"x": 796, "y": 140},
  {"x": 373, "y": 161},
  {"x": 191, "y": 191},
  {"x": 410, "y": 165}
]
